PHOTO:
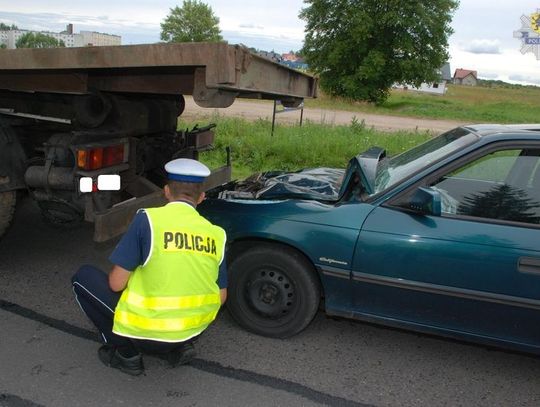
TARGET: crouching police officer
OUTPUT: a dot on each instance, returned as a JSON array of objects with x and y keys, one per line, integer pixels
[{"x": 168, "y": 280}]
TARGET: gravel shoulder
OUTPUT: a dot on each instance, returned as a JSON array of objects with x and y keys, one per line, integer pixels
[{"x": 254, "y": 110}]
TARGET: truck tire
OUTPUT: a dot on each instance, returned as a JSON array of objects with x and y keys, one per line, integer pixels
[
  {"x": 7, "y": 209},
  {"x": 273, "y": 291}
]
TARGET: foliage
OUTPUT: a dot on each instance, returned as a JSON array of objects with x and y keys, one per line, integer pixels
[
  {"x": 7, "y": 27},
  {"x": 360, "y": 48},
  {"x": 501, "y": 202},
  {"x": 253, "y": 148},
  {"x": 38, "y": 40},
  {"x": 3, "y": 46},
  {"x": 490, "y": 83},
  {"x": 193, "y": 22}
]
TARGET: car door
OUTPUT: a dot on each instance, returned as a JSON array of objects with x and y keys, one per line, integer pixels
[{"x": 474, "y": 270}]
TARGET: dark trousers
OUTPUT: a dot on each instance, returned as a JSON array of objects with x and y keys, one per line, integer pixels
[{"x": 98, "y": 301}]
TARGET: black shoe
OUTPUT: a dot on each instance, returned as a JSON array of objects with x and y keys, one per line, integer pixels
[
  {"x": 181, "y": 356},
  {"x": 110, "y": 356}
]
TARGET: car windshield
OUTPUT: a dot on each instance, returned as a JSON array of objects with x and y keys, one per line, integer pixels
[{"x": 394, "y": 170}]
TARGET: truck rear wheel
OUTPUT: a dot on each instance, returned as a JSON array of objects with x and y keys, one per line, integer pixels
[{"x": 7, "y": 209}]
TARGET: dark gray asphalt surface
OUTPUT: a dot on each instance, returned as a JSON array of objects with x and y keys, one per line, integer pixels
[{"x": 48, "y": 350}]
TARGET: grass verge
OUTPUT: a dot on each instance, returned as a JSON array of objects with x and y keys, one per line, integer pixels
[
  {"x": 254, "y": 149},
  {"x": 471, "y": 104}
]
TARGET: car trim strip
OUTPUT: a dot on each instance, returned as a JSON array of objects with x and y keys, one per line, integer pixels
[
  {"x": 335, "y": 272},
  {"x": 529, "y": 265},
  {"x": 450, "y": 291}
]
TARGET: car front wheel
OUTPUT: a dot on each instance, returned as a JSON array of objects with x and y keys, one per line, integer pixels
[{"x": 273, "y": 291}]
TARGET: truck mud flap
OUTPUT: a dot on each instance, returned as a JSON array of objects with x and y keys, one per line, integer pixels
[{"x": 115, "y": 221}]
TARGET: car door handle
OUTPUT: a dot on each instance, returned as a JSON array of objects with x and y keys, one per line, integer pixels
[{"x": 530, "y": 265}]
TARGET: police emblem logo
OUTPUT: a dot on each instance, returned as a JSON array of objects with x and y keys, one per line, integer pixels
[
  {"x": 529, "y": 33},
  {"x": 535, "y": 22}
]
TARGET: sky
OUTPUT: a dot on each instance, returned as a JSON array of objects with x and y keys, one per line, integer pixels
[{"x": 482, "y": 40}]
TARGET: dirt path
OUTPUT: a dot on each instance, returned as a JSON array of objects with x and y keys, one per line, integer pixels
[{"x": 253, "y": 110}]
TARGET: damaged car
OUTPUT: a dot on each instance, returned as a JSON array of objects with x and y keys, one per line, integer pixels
[{"x": 443, "y": 239}]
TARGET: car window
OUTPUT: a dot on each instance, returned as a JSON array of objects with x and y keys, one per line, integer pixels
[
  {"x": 394, "y": 170},
  {"x": 494, "y": 167},
  {"x": 503, "y": 185}
]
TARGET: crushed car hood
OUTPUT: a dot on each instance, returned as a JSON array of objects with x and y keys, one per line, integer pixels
[{"x": 320, "y": 184}]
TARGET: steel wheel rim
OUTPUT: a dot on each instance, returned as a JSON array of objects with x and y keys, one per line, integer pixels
[{"x": 270, "y": 293}]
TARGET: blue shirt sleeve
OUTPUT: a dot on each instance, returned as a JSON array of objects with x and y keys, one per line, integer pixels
[{"x": 134, "y": 247}]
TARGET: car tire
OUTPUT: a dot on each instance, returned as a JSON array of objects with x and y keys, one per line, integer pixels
[
  {"x": 273, "y": 291},
  {"x": 8, "y": 200}
]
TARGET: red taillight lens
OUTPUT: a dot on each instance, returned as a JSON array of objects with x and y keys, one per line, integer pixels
[
  {"x": 95, "y": 158},
  {"x": 100, "y": 157},
  {"x": 113, "y": 155}
]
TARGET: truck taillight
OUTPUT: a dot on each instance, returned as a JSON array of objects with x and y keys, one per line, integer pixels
[{"x": 99, "y": 157}]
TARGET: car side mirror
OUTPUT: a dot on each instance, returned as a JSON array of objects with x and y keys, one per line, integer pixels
[{"x": 426, "y": 201}]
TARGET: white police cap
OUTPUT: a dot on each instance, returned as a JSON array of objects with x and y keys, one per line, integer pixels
[{"x": 186, "y": 170}]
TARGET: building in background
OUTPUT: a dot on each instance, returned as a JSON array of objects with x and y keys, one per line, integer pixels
[
  {"x": 4, "y": 37},
  {"x": 465, "y": 77},
  {"x": 271, "y": 55},
  {"x": 95, "y": 39},
  {"x": 298, "y": 64},
  {"x": 289, "y": 56},
  {"x": 289, "y": 59},
  {"x": 70, "y": 39},
  {"x": 446, "y": 74},
  {"x": 10, "y": 37},
  {"x": 437, "y": 88}
]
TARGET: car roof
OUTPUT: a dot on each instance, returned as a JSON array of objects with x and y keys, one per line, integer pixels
[{"x": 505, "y": 130}]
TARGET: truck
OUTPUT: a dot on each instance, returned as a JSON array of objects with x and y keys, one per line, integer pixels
[{"x": 68, "y": 114}]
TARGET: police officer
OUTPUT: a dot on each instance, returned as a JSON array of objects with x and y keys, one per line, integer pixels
[{"x": 168, "y": 280}]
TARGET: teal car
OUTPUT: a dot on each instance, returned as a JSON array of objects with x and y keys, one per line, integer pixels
[{"x": 443, "y": 239}]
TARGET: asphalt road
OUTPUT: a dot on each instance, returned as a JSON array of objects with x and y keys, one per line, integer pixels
[{"x": 48, "y": 350}]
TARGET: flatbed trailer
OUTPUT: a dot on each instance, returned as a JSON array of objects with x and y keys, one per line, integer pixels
[{"x": 72, "y": 113}]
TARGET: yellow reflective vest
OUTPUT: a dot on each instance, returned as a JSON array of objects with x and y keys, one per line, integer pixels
[{"x": 174, "y": 295}]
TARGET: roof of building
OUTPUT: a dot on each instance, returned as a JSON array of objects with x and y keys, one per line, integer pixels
[
  {"x": 445, "y": 72},
  {"x": 462, "y": 73},
  {"x": 289, "y": 57}
]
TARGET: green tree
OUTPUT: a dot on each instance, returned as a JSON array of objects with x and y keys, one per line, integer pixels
[
  {"x": 6, "y": 27},
  {"x": 193, "y": 22},
  {"x": 3, "y": 46},
  {"x": 360, "y": 48},
  {"x": 38, "y": 40},
  {"x": 501, "y": 202}
]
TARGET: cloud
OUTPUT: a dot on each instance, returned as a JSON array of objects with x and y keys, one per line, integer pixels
[
  {"x": 251, "y": 26},
  {"x": 489, "y": 75},
  {"x": 134, "y": 31},
  {"x": 525, "y": 79},
  {"x": 509, "y": 63},
  {"x": 265, "y": 42},
  {"x": 57, "y": 22},
  {"x": 483, "y": 46}
]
